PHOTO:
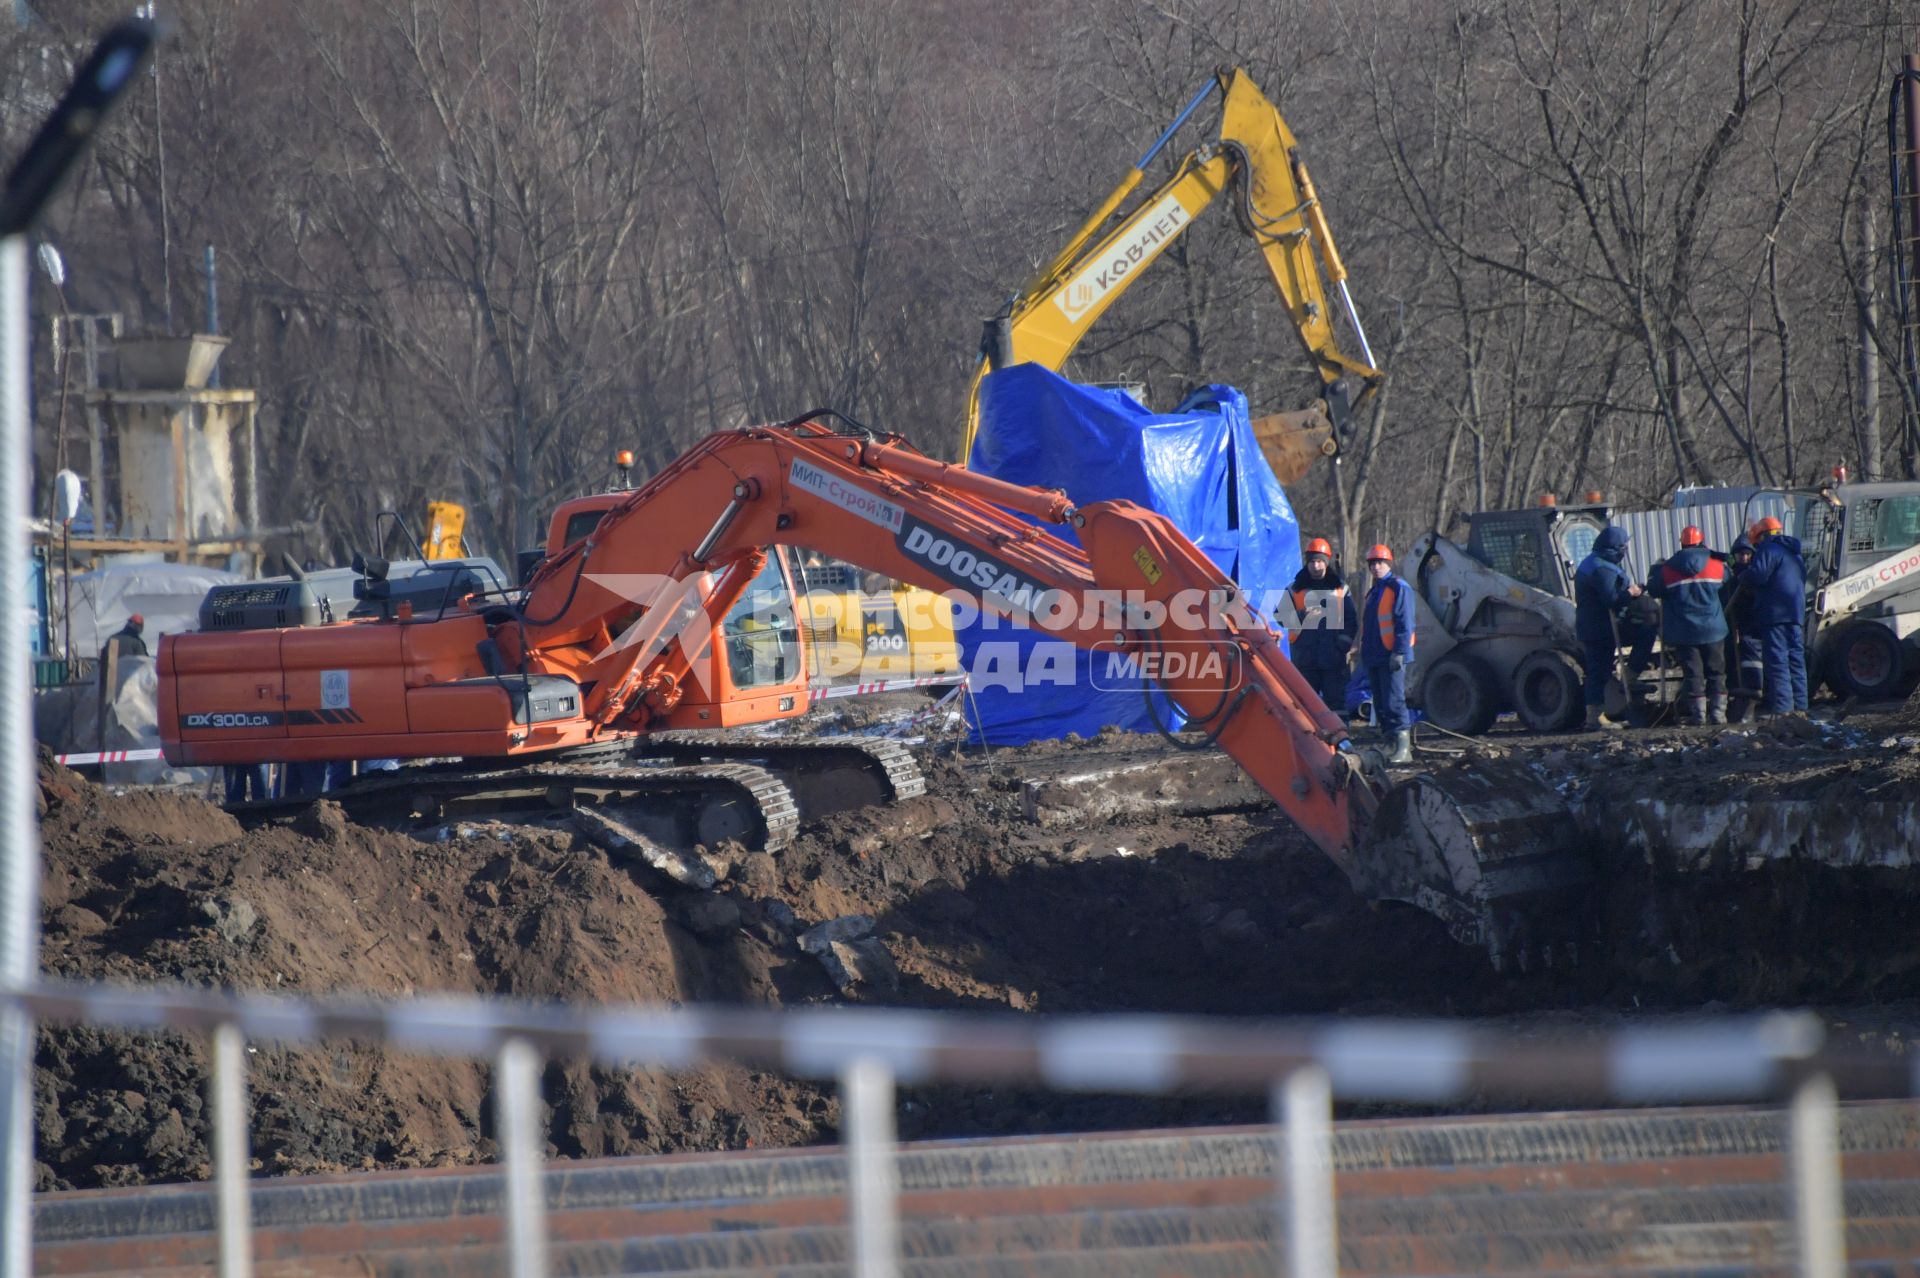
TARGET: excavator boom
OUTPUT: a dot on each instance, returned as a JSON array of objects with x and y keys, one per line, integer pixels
[{"x": 1275, "y": 203}]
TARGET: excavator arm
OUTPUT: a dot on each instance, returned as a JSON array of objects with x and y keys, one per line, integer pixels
[
  {"x": 1275, "y": 203},
  {"x": 1135, "y": 589}
]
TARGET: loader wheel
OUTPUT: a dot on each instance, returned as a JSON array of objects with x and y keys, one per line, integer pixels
[
  {"x": 1865, "y": 663},
  {"x": 1548, "y": 693},
  {"x": 1459, "y": 695}
]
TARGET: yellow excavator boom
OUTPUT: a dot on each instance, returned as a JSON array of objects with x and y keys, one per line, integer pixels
[
  {"x": 446, "y": 523},
  {"x": 1275, "y": 203}
]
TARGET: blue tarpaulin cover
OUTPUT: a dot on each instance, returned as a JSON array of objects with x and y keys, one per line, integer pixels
[{"x": 1199, "y": 465}]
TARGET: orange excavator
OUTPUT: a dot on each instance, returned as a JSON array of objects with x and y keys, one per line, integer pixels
[{"x": 667, "y": 616}]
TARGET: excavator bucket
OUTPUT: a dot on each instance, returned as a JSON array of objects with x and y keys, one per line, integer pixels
[
  {"x": 1293, "y": 442},
  {"x": 1491, "y": 851}
]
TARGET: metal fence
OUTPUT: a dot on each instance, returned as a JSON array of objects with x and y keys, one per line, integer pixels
[{"x": 1305, "y": 1067}]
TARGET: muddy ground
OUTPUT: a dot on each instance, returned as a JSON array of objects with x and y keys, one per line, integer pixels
[{"x": 974, "y": 906}]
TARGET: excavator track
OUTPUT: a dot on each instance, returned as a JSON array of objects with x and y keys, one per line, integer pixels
[
  {"x": 676, "y": 804},
  {"x": 826, "y": 774}
]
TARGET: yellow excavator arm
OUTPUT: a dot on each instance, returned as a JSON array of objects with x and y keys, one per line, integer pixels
[
  {"x": 1256, "y": 156},
  {"x": 446, "y": 526}
]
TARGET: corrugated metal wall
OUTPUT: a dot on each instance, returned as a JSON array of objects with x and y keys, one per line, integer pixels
[{"x": 1656, "y": 533}]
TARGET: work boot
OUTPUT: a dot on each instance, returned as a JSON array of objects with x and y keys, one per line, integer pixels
[
  {"x": 1402, "y": 747},
  {"x": 1595, "y": 719},
  {"x": 1696, "y": 712},
  {"x": 1717, "y": 709}
]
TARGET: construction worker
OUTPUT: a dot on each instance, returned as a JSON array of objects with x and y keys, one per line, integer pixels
[
  {"x": 1322, "y": 623},
  {"x": 1746, "y": 667},
  {"x": 1386, "y": 649},
  {"x": 1601, "y": 594},
  {"x": 1777, "y": 581},
  {"x": 247, "y": 781},
  {"x": 126, "y": 640},
  {"x": 1692, "y": 626}
]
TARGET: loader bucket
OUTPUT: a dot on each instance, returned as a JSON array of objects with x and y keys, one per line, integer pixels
[{"x": 1491, "y": 851}]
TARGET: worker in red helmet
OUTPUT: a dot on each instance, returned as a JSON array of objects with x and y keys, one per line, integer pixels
[
  {"x": 1777, "y": 584},
  {"x": 1386, "y": 649},
  {"x": 1322, "y": 622},
  {"x": 1693, "y": 626}
]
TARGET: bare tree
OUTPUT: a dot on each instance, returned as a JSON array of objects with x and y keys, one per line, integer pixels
[{"x": 478, "y": 204}]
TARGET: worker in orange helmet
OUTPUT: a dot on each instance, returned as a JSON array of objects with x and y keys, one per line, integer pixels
[
  {"x": 1776, "y": 581},
  {"x": 1386, "y": 649},
  {"x": 1322, "y": 622},
  {"x": 1693, "y": 626}
]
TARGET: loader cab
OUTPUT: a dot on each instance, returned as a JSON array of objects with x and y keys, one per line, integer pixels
[
  {"x": 1861, "y": 543},
  {"x": 1859, "y": 527},
  {"x": 1539, "y": 546}
]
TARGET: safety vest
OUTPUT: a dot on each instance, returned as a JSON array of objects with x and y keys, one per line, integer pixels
[
  {"x": 1713, "y": 570},
  {"x": 1383, "y": 613},
  {"x": 1333, "y": 611}
]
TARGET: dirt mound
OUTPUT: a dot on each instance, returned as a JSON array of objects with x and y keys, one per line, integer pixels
[
  {"x": 157, "y": 886},
  {"x": 972, "y": 906},
  {"x": 975, "y": 908}
]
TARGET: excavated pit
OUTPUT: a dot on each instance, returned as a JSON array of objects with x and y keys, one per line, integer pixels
[{"x": 1069, "y": 877}]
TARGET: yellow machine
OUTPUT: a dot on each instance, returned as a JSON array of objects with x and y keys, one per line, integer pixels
[
  {"x": 899, "y": 632},
  {"x": 446, "y": 522},
  {"x": 1257, "y": 157}
]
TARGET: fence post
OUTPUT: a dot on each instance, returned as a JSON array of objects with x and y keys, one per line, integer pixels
[
  {"x": 866, "y": 1110},
  {"x": 230, "y": 1161},
  {"x": 1813, "y": 1154},
  {"x": 521, "y": 1151},
  {"x": 19, "y": 837},
  {"x": 1303, "y": 1106}
]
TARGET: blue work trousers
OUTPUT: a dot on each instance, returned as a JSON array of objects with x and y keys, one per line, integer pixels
[
  {"x": 247, "y": 782},
  {"x": 1389, "y": 696},
  {"x": 1784, "y": 653},
  {"x": 1596, "y": 659},
  {"x": 1331, "y": 683},
  {"x": 1747, "y": 663}
]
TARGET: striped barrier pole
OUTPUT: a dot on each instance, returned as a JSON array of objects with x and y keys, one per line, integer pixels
[
  {"x": 107, "y": 756},
  {"x": 1740, "y": 1058}
]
